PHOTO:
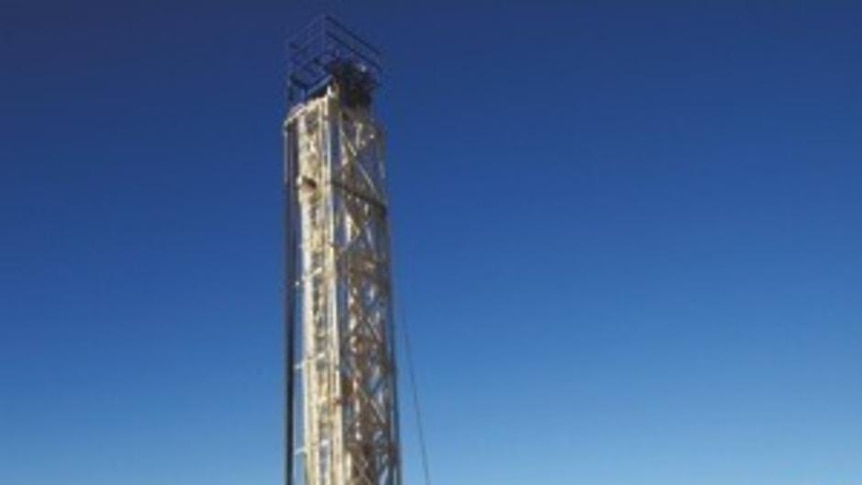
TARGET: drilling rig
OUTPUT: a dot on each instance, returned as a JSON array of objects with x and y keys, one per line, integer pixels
[{"x": 342, "y": 409}]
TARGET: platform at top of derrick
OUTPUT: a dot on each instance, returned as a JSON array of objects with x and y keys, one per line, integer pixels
[{"x": 326, "y": 52}]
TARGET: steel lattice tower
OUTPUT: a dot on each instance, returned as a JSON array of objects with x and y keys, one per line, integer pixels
[{"x": 342, "y": 419}]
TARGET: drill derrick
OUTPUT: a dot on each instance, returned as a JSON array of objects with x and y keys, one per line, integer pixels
[{"x": 342, "y": 423}]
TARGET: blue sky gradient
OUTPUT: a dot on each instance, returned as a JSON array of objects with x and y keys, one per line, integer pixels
[{"x": 627, "y": 239}]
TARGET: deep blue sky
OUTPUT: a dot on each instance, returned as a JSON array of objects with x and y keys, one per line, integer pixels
[{"x": 628, "y": 240}]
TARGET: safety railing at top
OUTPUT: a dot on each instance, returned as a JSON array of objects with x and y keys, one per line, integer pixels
[{"x": 323, "y": 48}]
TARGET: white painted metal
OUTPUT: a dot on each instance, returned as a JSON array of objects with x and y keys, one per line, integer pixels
[{"x": 349, "y": 422}]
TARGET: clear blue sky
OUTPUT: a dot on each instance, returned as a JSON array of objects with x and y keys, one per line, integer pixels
[{"x": 628, "y": 240}]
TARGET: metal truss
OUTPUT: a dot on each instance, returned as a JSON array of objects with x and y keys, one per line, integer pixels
[{"x": 349, "y": 422}]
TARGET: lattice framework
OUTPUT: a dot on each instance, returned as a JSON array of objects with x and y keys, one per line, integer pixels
[{"x": 335, "y": 172}]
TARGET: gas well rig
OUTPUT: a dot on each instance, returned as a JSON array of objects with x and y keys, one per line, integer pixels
[{"x": 342, "y": 410}]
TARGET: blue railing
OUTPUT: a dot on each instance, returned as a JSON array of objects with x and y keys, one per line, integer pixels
[{"x": 324, "y": 49}]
